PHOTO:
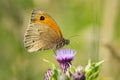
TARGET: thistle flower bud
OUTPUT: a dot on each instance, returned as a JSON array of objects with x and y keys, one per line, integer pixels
[
  {"x": 48, "y": 74},
  {"x": 78, "y": 76}
]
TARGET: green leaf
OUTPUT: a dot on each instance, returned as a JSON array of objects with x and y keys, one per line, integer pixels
[
  {"x": 72, "y": 68},
  {"x": 55, "y": 74},
  {"x": 92, "y": 70},
  {"x": 50, "y": 63}
]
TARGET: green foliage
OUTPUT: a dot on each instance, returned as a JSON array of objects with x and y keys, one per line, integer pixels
[
  {"x": 72, "y": 69},
  {"x": 92, "y": 70}
]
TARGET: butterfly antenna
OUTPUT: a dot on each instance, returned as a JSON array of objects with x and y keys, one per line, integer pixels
[{"x": 73, "y": 36}]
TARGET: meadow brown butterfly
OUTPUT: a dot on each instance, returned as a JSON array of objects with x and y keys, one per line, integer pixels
[{"x": 43, "y": 33}]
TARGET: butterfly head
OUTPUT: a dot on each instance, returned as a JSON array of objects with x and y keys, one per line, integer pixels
[
  {"x": 66, "y": 41},
  {"x": 62, "y": 43}
]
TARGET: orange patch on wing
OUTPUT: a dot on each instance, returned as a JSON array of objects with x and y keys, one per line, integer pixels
[{"x": 50, "y": 22}]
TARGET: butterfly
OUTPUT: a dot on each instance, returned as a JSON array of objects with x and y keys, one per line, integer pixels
[{"x": 43, "y": 33}]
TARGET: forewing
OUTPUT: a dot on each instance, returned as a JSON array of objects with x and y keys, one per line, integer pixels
[{"x": 40, "y": 37}]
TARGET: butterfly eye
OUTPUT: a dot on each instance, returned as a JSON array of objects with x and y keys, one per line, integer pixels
[{"x": 42, "y": 17}]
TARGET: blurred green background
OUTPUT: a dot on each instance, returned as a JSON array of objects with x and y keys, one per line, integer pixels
[{"x": 95, "y": 25}]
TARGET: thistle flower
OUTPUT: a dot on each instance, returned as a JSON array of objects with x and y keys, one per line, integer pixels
[
  {"x": 64, "y": 57},
  {"x": 48, "y": 74},
  {"x": 67, "y": 71},
  {"x": 78, "y": 76}
]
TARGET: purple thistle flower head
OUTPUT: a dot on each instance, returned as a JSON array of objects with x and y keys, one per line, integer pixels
[{"x": 65, "y": 55}]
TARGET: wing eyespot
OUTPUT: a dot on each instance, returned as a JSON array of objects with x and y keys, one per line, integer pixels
[
  {"x": 33, "y": 41},
  {"x": 42, "y": 18}
]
